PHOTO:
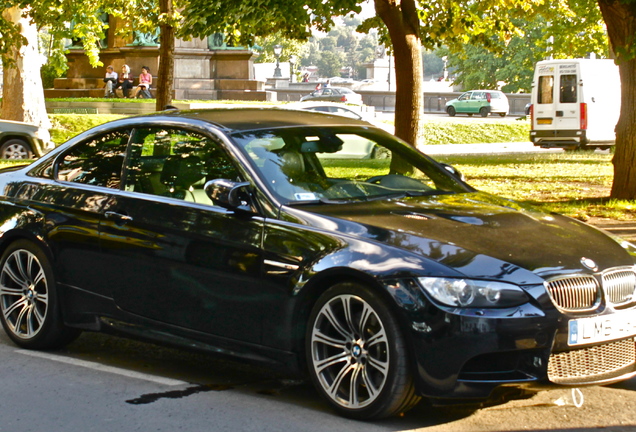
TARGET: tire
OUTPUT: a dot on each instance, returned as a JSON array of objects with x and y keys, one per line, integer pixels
[
  {"x": 484, "y": 111},
  {"x": 451, "y": 111},
  {"x": 502, "y": 114},
  {"x": 29, "y": 306},
  {"x": 16, "y": 148},
  {"x": 357, "y": 355},
  {"x": 381, "y": 153}
]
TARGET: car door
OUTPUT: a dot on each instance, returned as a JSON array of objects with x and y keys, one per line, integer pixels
[
  {"x": 71, "y": 192},
  {"x": 477, "y": 100},
  {"x": 463, "y": 103},
  {"x": 172, "y": 255}
]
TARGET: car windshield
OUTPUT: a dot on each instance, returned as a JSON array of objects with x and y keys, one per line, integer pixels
[{"x": 336, "y": 165}]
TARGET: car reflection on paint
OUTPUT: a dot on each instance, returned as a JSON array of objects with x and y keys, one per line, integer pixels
[{"x": 244, "y": 232}]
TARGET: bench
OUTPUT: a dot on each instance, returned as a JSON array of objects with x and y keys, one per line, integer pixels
[{"x": 75, "y": 111}]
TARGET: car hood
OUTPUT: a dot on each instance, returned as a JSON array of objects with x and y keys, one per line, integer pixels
[{"x": 477, "y": 234}]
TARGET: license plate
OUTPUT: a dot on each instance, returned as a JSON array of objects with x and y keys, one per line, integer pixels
[
  {"x": 544, "y": 121},
  {"x": 602, "y": 328}
]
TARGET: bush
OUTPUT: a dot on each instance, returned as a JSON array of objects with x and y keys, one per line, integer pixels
[{"x": 66, "y": 126}]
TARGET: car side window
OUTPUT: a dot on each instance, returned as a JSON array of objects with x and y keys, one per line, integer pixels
[
  {"x": 97, "y": 162},
  {"x": 176, "y": 163}
]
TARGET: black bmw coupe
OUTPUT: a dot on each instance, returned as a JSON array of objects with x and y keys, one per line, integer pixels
[{"x": 242, "y": 232}]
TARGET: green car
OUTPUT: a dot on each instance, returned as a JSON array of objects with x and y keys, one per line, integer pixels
[{"x": 482, "y": 102}]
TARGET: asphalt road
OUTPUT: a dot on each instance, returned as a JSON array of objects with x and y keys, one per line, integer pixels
[{"x": 103, "y": 383}]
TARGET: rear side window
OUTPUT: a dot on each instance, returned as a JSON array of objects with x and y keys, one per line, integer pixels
[
  {"x": 567, "y": 89},
  {"x": 97, "y": 162},
  {"x": 546, "y": 89}
]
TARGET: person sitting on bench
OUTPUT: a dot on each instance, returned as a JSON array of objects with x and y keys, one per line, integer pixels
[{"x": 143, "y": 88}]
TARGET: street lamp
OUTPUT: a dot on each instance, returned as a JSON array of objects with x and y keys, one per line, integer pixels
[
  {"x": 292, "y": 69},
  {"x": 277, "y": 52}
]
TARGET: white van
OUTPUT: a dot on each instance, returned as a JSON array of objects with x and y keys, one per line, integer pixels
[{"x": 575, "y": 103}]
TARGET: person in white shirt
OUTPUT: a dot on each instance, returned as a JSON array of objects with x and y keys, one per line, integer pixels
[{"x": 110, "y": 79}]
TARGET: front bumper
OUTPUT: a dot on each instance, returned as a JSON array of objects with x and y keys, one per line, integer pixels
[{"x": 466, "y": 354}]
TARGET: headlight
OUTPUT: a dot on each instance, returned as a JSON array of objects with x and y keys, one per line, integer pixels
[{"x": 473, "y": 293}]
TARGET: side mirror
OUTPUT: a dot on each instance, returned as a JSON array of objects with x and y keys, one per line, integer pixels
[
  {"x": 454, "y": 171},
  {"x": 228, "y": 194}
]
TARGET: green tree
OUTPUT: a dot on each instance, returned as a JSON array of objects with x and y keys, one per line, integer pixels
[
  {"x": 21, "y": 59},
  {"x": 330, "y": 63}
]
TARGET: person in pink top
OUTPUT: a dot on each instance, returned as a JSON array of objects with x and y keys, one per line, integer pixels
[{"x": 145, "y": 80}]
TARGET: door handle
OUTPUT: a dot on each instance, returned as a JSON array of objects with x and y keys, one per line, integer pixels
[{"x": 119, "y": 218}]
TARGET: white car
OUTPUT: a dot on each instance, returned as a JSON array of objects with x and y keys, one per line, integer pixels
[
  {"x": 20, "y": 140},
  {"x": 358, "y": 148}
]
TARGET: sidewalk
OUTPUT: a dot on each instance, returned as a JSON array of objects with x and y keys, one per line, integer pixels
[{"x": 490, "y": 148}]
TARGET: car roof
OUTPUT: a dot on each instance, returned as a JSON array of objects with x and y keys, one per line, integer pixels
[{"x": 242, "y": 119}]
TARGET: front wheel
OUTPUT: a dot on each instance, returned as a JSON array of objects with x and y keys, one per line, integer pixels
[
  {"x": 29, "y": 305},
  {"x": 451, "y": 111},
  {"x": 357, "y": 355},
  {"x": 16, "y": 149}
]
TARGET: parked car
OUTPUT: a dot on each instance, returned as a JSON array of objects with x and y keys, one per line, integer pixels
[
  {"x": 20, "y": 140},
  {"x": 222, "y": 230},
  {"x": 482, "y": 102},
  {"x": 360, "y": 148},
  {"x": 334, "y": 94}
]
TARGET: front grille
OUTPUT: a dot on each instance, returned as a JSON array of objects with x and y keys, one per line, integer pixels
[
  {"x": 593, "y": 364},
  {"x": 574, "y": 293},
  {"x": 619, "y": 285}
]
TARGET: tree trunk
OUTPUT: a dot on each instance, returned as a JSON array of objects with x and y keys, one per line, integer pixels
[
  {"x": 165, "y": 84},
  {"x": 403, "y": 24},
  {"x": 620, "y": 18},
  {"x": 23, "y": 94}
]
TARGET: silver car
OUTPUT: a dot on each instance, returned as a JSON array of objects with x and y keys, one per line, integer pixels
[{"x": 20, "y": 140}]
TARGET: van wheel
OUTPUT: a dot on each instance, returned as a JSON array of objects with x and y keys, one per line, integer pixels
[
  {"x": 484, "y": 111},
  {"x": 451, "y": 111},
  {"x": 502, "y": 114}
]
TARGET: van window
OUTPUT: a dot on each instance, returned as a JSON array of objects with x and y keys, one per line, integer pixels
[
  {"x": 567, "y": 92},
  {"x": 546, "y": 88}
]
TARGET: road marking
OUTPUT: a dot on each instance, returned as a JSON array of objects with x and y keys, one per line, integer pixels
[{"x": 103, "y": 368}]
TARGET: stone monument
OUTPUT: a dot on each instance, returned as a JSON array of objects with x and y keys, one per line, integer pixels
[{"x": 205, "y": 69}]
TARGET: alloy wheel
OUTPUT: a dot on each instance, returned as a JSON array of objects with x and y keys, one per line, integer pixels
[
  {"x": 350, "y": 351},
  {"x": 24, "y": 294}
]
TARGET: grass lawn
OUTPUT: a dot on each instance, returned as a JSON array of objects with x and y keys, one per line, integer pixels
[{"x": 576, "y": 184}]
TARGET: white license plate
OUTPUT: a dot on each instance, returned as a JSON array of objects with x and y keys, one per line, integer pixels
[{"x": 602, "y": 328}]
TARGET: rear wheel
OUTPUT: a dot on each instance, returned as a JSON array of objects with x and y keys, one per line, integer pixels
[
  {"x": 451, "y": 111},
  {"x": 502, "y": 114},
  {"x": 16, "y": 148},
  {"x": 484, "y": 111},
  {"x": 357, "y": 355},
  {"x": 29, "y": 304}
]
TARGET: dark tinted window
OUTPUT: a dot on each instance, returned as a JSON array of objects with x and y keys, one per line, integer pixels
[
  {"x": 176, "y": 163},
  {"x": 97, "y": 162},
  {"x": 567, "y": 91}
]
